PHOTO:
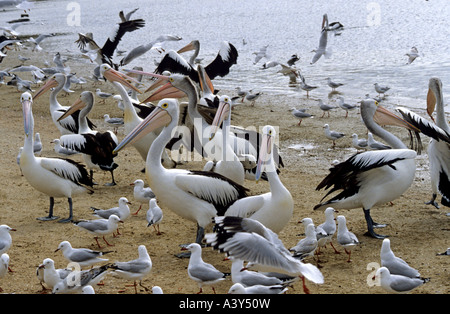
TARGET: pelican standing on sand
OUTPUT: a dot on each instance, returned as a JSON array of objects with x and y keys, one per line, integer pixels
[
  {"x": 194, "y": 195},
  {"x": 52, "y": 176},
  {"x": 371, "y": 178}
]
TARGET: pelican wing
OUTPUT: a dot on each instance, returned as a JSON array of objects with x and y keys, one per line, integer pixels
[
  {"x": 345, "y": 174},
  {"x": 211, "y": 187},
  {"x": 221, "y": 65},
  {"x": 68, "y": 169},
  {"x": 113, "y": 41},
  {"x": 425, "y": 126},
  {"x": 175, "y": 63}
]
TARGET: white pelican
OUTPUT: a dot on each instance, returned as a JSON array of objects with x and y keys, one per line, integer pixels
[
  {"x": 371, "y": 178},
  {"x": 95, "y": 146},
  {"x": 130, "y": 117},
  {"x": 70, "y": 124},
  {"x": 52, "y": 176},
  {"x": 220, "y": 66},
  {"x": 194, "y": 195},
  {"x": 273, "y": 209},
  {"x": 229, "y": 165},
  {"x": 439, "y": 151}
]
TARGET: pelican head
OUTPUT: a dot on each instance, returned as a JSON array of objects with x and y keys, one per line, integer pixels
[
  {"x": 26, "y": 100},
  {"x": 193, "y": 45},
  {"x": 57, "y": 79},
  {"x": 434, "y": 91},
  {"x": 223, "y": 112},
  {"x": 86, "y": 100},
  {"x": 115, "y": 76},
  {"x": 161, "y": 116},
  {"x": 265, "y": 159}
]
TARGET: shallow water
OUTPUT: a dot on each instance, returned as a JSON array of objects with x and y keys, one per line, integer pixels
[{"x": 371, "y": 48}]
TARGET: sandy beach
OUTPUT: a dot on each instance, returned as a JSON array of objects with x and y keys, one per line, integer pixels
[{"x": 417, "y": 231}]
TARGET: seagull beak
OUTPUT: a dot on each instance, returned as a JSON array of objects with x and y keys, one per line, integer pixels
[
  {"x": 431, "y": 103},
  {"x": 47, "y": 86},
  {"x": 26, "y": 108},
  {"x": 77, "y": 105},
  {"x": 264, "y": 154},
  {"x": 222, "y": 111},
  {"x": 116, "y": 76},
  {"x": 158, "y": 118}
]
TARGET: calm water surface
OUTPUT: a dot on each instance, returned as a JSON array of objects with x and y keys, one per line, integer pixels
[{"x": 371, "y": 48}]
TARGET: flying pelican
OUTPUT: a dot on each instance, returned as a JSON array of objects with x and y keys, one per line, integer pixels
[
  {"x": 371, "y": 178},
  {"x": 194, "y": 195},
  {"x": 68, "y": 125},
  {"x": 220, "y": 66},
  {"x": 273, "y": 209},
  {"x": 52, "y": 176},
  {"x": 95, "y": 146}
]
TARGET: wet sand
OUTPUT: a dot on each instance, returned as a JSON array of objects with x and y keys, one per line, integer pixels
[{"x": 417, "y": 231}]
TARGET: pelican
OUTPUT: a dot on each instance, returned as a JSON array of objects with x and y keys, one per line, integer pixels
[
  {"x": 229, "y": 165},
  {"x": 55, "y": 177},
  {"x": 95, "y": 146},
  {"x": 439, "y": 147},
  {"x": 371, "y": 178},
  {"x": 130, "y": 117},
  {"x": 273, "y": 209},
  {"x": 220, "y": 66},
  {"x": 439, "y": 151},
  {"x": 68, "y": 125},
  {"x": 194, "y": 195}
]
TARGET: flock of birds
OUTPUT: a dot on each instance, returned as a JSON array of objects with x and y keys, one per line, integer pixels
[{"x": 246, "y": 226}]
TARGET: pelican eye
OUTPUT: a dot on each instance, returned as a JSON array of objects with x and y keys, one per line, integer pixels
[
  {"x": 376, "y": 103},
  {"x": 171, "y": 79},
  {"x": 164, "y": 105},
  {"x": 270, "y": 132},
  {"x": 226, "y": 99}
]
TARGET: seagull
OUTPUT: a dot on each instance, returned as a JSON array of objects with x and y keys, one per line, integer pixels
[
  {"x": 306, "y": 87},
  {"x": 329, "y": 227},
  {"x": 412, "y": 55},
  {"x": 332, "y": 84},
  {"x": 102, "y": 95},
  {"x": 347, "y": 107},
  {"x": 396, "y": 265},
  {"x": 248, "y": 278},
  {"x": 300, "y": 114},
  {"x": 398, "y": 283},
  {"x": 37, "y": 41},
  {"x": 4, "y": 264},
  {"x": 332, "y": 135},
  {"x": 201, "y": 272},
  {"x": 381, "y": 89},
  {"x": 307, "y": 246},
  {"x": 154, "y": 215},
  {"x": 49, "y": 275},
  {"x": 88, "y": 290},
  {"x": 136, "y": 269},
  {"x": 238, "y": 288},
  {"x": 122, "y": 211},
  {"x": 76, "y": 280},
  {"x": 141, "y": 194},
  {"x": 447, "y": 252},
  {"x": 115, "y": 122},
  {"x": 359, "y": 143},
  {"x": 99, "y": 227},
  {"x": 262, "y": 53},
  {"x": 242, "y": 93},
  {"x": 5, "y": 238},
  {"x": 248, "y": 239},
  {"x": 37, "y": 145},
  {"x": 293, "y": 59},
  {"x": 81, "y": 256},
  {"x": 322, "y": 49},
  {"x": 251, "y": 97},
  {"x": 345, "y": 238},
  {"x": 375, "y": 145},
  {"x": 325, "y": 107},
  {"x": 63, "y": 151}
]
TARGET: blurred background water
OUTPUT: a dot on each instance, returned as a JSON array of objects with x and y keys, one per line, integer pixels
[{"x": 370, "y": 49}]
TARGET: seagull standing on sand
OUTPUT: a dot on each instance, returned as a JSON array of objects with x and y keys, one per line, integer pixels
[
  {"x": 201, "y": 272},
  {"x": 83, "y": 257},
  {"x": 345, "y": 238},
  {"x": 154, "y": 215},
  {"x": 332, "y": 84},
  {"x": 347, "y": 107},
  {"x": 398, "y": 283},
  {"x": 359, "y": 143},
  {"x": 381, "y": 89},
  {"x": 4, "y": 264},
  {"x": 375, "y": 145},
  {"x": 325, "y": 107},
  {"x": 300, "y": 114},
  {"x": 63, "y": 151},
  {"x": 99, "y": 227},
  {"x": 396, "y": 265},
  {"x": 238, "y": 288},
  {"x": 332, "y": 135},
  {"x": 141, "y": 194}
]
